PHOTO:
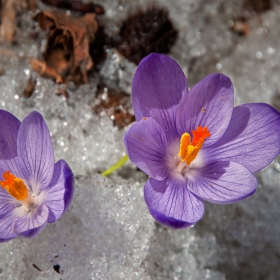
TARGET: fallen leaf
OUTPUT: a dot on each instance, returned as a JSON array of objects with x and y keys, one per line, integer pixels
[
  {"x": 44, "y": 70},
  {"x": 117, "y": 106},
  {"x": 67, "y": 48}
]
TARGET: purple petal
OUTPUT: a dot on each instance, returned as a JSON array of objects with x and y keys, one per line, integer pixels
[
  {"x": 6, "y": 223},
  {"x": 252, "y": 138},
  {"x": 157, "y": 88},
  {"x": 35, "y": 151},
  {"x": 7, "y": 202},
  {"x": 32, "y": 223},
  {"x": 8, "y": 213},
  {"x": 9, "y": 127},
  {"x": 223, "y": 182},
  {"x": 171, "y": 203},
  {"x": 146, "y": 146},
  {"x": 59, "y": 194},
  {"x": 209, "y": 103},
  {"x": 33, "y": 232}
]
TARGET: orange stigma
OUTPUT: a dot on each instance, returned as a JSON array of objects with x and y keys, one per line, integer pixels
[
  {"x": 189, "y": 150},
  {"x": 14, "y": 186}
]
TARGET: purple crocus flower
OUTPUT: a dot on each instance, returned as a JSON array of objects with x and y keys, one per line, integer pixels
[
  {"x": 194, "y": 144},
  {"x": 33, "y": 189}
]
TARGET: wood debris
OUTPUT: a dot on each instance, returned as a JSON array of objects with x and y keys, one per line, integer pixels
[
  {"x": 8, "y": 19},
  {"x": 9, "y": 10},
  {"x": 30, "y": 87},
  {"x": 241, "y": 26}
]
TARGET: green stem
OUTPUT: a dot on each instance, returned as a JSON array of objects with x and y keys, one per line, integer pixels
[{"x": 116, "y": 166}]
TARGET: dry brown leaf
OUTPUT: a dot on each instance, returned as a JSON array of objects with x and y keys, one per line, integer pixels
[
  {"x": 67, "y": 49},
  {"x": 117, "y": 106},
  {"x": 44, "y": 70},
  {"x": 31, "y": 5}
]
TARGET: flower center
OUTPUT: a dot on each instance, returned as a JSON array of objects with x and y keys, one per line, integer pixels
[
  {"x": 14, "y": 186},
  {"x": 189, "y": 150}
]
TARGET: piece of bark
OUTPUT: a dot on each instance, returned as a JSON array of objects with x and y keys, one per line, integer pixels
[
  {"x": 8, "y": 22},
  {"x": 29, "y": 88},
  {"x": 241, "y": 26},
  {"x": 67, "y": 48},
  {"x": 8, "y": 17}
]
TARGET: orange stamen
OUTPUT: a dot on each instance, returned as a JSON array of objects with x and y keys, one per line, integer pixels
[
  {"x": 189, "y": 150},
  {"x": 14, "y": 186}
]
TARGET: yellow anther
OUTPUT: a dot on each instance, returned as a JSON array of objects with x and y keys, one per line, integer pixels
[
  {"x": 189, "y": 150},
  {"x": 14, "y": 186}
]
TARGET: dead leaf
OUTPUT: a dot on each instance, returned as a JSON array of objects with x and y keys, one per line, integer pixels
[
  {"x": 31, "y": 5},
  {"x": 67, "y": 48},
  {"x": 117, "y": 106},
  {"x": 44, "y": 70}
]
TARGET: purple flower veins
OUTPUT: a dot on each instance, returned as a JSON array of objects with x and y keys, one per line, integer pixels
[
  {"x": 34, "y": 190},
  {"x": 194, "y": 144}
]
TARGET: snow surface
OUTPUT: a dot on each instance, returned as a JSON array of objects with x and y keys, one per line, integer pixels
[{"x": 107, "y": 233}]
